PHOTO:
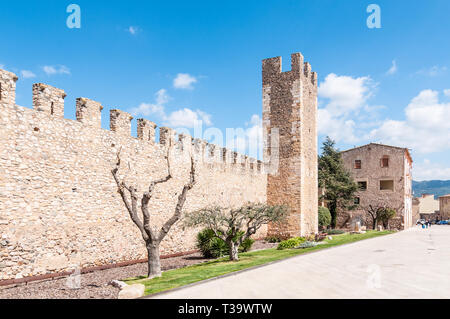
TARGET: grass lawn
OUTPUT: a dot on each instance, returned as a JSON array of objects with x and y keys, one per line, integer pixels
[{"x": 180, "y": 277}]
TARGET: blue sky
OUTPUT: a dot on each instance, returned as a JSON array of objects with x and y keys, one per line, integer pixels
[{"x": 175, "y": 62}]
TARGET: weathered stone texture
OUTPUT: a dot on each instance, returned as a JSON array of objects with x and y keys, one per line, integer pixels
[
  {"x": 444, "y": 207},
  {"x": 59, "y": 206},
  {"x": 290, "y": 149},
  {"x": 399, "y": 171}
]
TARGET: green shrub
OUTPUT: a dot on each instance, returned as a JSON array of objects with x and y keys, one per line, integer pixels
[
  {"x": 335, "y": 231},
  {"x": 211, "y": 246},
  {"x": 246, "y": 245},
  {"x": 272, "y": 239},
  {"x": 324, "y": 217},
  {"x": 291, "y": 243}
]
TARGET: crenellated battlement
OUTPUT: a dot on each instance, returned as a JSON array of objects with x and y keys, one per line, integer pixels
[
  {"x": 272, "y": 70},
  {"x": 48, "y": 99},
  {"x": 89, "y": 112},
  {"x": 146, "y": 130},
  {"x": 8, "y": 87},
  {"x": 49, "y": 102}
]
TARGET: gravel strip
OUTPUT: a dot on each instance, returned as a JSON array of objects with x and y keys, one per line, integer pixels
[{"x": 95, "y": 285}]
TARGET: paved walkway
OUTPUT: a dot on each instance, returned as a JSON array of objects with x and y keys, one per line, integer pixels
[{"x": 409, "y": 264}]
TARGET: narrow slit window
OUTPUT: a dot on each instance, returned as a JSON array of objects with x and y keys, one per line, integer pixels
[
  {"x": 0, "y": 91},
  {"x": 52, "y": 108},
  {"x": 385, "y": 161}
]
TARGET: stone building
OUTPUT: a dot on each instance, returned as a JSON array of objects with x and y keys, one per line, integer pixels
[
  {"x": 290, "y": 131},
  {"x": 428, "y": 207},
  {"x": 444, "y": 207},
  {"x": 415, "y": 210},
  {"x": 383, "y": 174},
  {"x": 59, "y": 205}
]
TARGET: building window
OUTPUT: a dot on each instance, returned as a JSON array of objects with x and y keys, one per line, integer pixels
[
  {"x": 385, "y": 161},
  {"x": 357, "y": 200},
  {"x": 358, "y": 164},
  {"x": 387, "y": 185},
  {"x": 362, "y": 185}
]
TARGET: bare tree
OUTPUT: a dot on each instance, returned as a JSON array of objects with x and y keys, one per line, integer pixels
[
  {"x": 380, "y": 209},
  {"x": 130, "y": 197},
  {"x": 234, "y": 226}
]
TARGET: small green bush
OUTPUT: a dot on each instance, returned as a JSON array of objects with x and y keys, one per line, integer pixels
[
  {"x": 324, "y": 217},
  {"x": 273, "y": 239},
  {"x": 291, "y": 243},
  {"x": 211, "y": 246},
  {"x": 246, "y": 245},
  {"x": 335, "y": 231}
]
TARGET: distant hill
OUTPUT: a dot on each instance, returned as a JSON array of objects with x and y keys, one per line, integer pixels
[{"x": 438, "y": 188}]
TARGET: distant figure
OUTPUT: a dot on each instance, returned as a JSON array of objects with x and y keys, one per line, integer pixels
[{"x": 423, "y": 226}]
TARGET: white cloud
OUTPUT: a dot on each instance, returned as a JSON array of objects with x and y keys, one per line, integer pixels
[
  {"x": 393, "y": 68},
  {"x": 447, "y": 92},
  {"x": 183, "y": 118},
  {"x": 433, "y": 71},
  {"x": 427, "y": 171},
  {"x": 157, "y": 108},
  {"x": 187, "y": 118},
  {"x": 52, "y": 70},
  {"x": 133, "y": 30},
  {"x": 184, "y": 81},
  {"x": 27, "y": 74},
  {"x": 2, "y": 66},
  {"x": 345, "y": 97},
  {"x": 426, "y": 128}
]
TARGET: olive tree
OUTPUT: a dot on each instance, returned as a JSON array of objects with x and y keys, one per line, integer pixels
[
  {"x": 235, "y": 225},
  {"x": 131, "y": 199}
]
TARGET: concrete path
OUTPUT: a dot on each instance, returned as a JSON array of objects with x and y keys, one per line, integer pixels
[{"x": 409, "y": 264}]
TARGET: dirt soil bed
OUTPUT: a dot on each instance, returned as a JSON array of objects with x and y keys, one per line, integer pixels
[{"x": 95, "y": 285}]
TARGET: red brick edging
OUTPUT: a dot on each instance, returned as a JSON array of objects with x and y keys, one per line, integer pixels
[{"x": 86, "y": 270}]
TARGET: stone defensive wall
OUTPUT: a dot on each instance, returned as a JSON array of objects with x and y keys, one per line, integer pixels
[{"x": 59, "y": 205}]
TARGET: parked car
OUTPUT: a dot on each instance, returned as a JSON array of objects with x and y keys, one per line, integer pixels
[{"x": 443, "y": 222}]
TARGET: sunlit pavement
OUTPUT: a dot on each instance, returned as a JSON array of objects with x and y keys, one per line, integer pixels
[{"x": 409, "y": 264}]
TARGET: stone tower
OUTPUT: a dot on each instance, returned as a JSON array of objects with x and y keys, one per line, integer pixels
[{"x": 290, "y": 143}]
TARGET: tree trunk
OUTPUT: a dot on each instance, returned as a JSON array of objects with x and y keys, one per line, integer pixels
[
  {"x": 333, "y": 211},
  {"x": 154, "y": 262},
  {"x": 234, "y": 251}
]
